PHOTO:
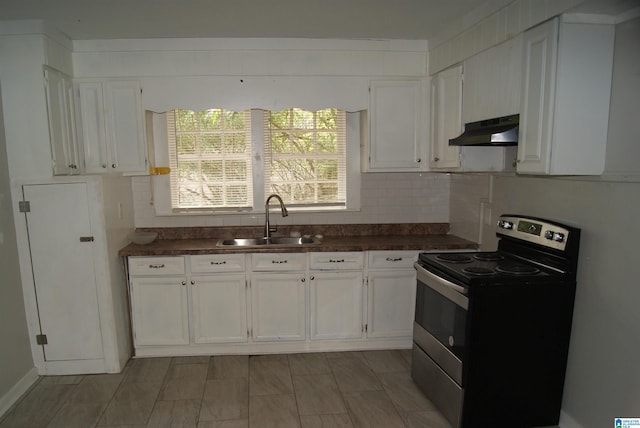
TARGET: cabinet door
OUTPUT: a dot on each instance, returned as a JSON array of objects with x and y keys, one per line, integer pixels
[
  {"x": 219, "y": 308},
  {"x": 112, "y": 124},
  {"x": 446, "y": 118},
  {"x": 92, "y": 126},
  {"x": 60, "y": 109},
  {"x": 278, "y": 306},
  {"x": 63, "y": 270},
  {"x": 125, "y": 126},
  {"x": 159, "y": 311},
  {"x": 391, "y": 303},
  {"x": 537, "y": 106},
  {"x": 396, "y": 137},
  {"x": 336, "y": 304}
]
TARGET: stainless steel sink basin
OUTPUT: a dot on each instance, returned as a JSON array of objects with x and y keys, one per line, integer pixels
[{"x": 274, "y": 240}]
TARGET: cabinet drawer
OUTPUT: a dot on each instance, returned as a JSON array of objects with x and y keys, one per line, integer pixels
[
  {"x": 279, "y": 261},
  {"x": 392, "y": 259},
  {"x": 337, "y": 261},
  {"x": 170, "y": 265},
  {"x": 217, "y": 263}
]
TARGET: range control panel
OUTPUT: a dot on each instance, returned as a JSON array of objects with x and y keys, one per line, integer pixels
[{"x": 534, "y": 230}]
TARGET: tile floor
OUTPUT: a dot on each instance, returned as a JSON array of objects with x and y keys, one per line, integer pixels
[{"x": 342, "y": 389}]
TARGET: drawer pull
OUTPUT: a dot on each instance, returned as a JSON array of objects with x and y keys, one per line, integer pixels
[
  {"x": 219, "y": 263},
  {"x": 158, "y": 266},
  {"x": 278, "y": 261},
  {"x": 394, "y": 259},
  {"x": 336, "y": 261}
]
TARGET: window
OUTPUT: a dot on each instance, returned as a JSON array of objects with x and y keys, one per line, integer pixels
[
  {"x": 228, "y": 161},
  {"x": 210, "y": 159},
  {"x": 305, "y": 156}
]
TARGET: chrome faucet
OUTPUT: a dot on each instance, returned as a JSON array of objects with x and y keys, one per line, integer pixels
[{"x": 267, "y": 227}]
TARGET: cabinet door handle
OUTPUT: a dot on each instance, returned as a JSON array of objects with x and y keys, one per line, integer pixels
[
  {"x": 113, "y": 165},
  {"x": 224, "y": 262},
  {"x": 394, "y": 259},
  {"x": 303, "y": 280},
  {"x": 312, "y": 278},
  {"x": 418, "y": 160},
  {"x": 336, "y": 261},
  {"x": 278, "y": 261},
  {"x": 436, "y": 159},
  {"x": 184, "y": 282},
  {"x": 158, "y": 266},
  {"x": 193, "y": 282}
]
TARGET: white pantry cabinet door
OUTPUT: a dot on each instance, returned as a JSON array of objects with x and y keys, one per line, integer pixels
[
  {"x": 278, "y": 306},
  {"x": 219, "y": 308},
  {"x": 336, "y": 304},
  {"x": 159, "y": 310},
  {"x": 63, "y": 270}
]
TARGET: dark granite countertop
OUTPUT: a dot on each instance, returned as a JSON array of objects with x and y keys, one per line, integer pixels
[{"x": 347, "y": 237}]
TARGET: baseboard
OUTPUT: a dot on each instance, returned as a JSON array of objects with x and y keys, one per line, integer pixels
[
  {"x": 14, "y": 394},
  {"x": 567, "y": 421}
]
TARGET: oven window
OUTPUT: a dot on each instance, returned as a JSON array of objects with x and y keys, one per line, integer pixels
[{"x": 442, "y": 318}]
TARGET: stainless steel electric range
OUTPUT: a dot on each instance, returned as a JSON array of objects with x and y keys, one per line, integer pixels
[{"x": 491, "y": 332}]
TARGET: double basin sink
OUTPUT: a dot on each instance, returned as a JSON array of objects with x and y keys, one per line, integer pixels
[{"x": 275, "y": 240}]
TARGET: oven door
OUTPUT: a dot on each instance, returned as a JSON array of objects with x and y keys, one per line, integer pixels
[{"x": 440, "y": 321}]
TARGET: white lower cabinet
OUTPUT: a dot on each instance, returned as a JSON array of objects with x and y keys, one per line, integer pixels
[
  {"x": 278, "y": 297},
  {"x": 159, "y": 300},
  {"x": 391, "y": 294},
  {"x": 160, "y": 313},
  {"x": 336, "y": 295},
  {"x": 169, "y": 294},
  {"x": 219, "y": 308},
  {"x": 271, "y": 302},
  {"x": 218, "y": 298},
  {"x": 278, "y": 306}
]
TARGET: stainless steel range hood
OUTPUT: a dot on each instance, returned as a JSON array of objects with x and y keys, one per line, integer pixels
[{"x": 502, "y": 131}]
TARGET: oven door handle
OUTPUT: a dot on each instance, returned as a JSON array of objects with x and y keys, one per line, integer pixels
[{"x": 454, "y": 292}]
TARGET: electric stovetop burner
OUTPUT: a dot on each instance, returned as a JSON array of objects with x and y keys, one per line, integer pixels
[
  {"x": 454, "y": 258},
  {"x": 488, "y": 257},
  {"x": 478, "y": 270},
  {"x": 517, "y": 269}
]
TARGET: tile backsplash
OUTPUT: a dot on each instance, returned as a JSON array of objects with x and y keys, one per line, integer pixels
[{"x": 385, "y": 198}]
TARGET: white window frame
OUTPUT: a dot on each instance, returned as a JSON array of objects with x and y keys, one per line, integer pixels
[{"x": 161, "y": 187}]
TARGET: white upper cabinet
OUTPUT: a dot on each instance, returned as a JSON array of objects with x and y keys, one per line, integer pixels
[
  {"x": 566, "y": 88},
  {"x": 396, "y": 135},
  {"x": 62, "y": 129},
  {"x": 492, "y": 82},
  {"x": 112, "y": 126},
  {"x": 446, "y": 118}
]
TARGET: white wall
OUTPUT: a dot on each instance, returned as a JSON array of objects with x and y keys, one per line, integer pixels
[
  {"x": 603, "y": 371},
  {"x": 15, "y": 353}
]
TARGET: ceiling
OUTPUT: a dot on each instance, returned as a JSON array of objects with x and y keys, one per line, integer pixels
[{"x": 335, "y": 19}]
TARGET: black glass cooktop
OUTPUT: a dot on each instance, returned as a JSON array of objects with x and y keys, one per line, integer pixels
[{"x": 485, "y": 267}]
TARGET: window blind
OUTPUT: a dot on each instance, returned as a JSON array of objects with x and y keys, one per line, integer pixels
[
  {"x": 305, "y": 156},
  {"x": 210, "y": 159}
]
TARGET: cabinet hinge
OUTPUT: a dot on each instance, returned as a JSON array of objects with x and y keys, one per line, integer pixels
[
  {"x": 24, "y": 206},
  {"x": 41, "y": 339}
]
